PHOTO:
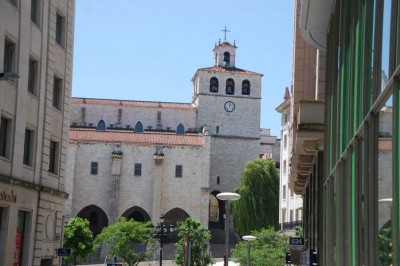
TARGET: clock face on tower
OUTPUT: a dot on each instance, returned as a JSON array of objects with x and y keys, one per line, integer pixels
[{"x": 229, "y": 106}]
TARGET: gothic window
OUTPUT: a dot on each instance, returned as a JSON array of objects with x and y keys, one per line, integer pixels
[
  {"x": 230, "y": 87},
  {"x": 101, "y": 125},
  {"x": 139, "y": 127},
  {"x": 227, "y": 58},
  {"x": 180, "y": 130},
  {"x": 213, "y": 84},
  {"x": 246, "y": 87}
]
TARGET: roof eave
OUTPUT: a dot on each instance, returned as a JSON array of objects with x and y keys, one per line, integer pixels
[{"x": 314, "y": 21}]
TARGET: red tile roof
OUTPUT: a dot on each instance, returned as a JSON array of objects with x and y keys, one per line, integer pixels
[
  {"x": 187, "y": 106},
  {"x": 130, "y": 137},
  {"x": 385, "y": 144},
  {"x": 228, "y": 70}
]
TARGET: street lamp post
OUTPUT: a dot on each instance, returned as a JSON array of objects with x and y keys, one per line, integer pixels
[
  {"x": 163, "y": 234},
  {"x": 249, "y": 239},
  {"x": 227, "y": 197}
]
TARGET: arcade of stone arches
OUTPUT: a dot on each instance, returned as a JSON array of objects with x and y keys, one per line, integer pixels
[{"x": 98, "y": 218}]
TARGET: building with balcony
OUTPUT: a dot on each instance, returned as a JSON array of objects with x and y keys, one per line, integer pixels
[
  {"x": 36, "y": 44},
  {"x": 290, "y": 204},
  {"x": 345, "y": 130}
]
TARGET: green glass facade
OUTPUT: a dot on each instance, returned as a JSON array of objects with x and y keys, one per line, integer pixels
[{"x": 359, "y": 194}]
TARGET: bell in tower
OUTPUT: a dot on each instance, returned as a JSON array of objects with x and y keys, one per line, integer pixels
[{"x": 225, "y": 52}]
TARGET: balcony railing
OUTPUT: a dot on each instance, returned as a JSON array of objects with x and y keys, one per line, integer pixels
[{"x": 288, "y": 226}]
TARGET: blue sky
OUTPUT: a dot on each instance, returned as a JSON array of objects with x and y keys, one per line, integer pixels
[{"x": 150, "y": 50}]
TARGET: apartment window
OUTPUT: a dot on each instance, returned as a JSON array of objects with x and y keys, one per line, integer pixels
[
  {"x": 291, "y": 216},
  {"x": 35, "y": 11},
  {"x": 33, "y": 76},
  {"x": 57, "y": 93},
  {"x": 291, "y": 193},
  {"x": 284, "y": 167},
  {"x": 5, "y": 136},
  {"x": 60, "y": 32},
  {"x": 28, "y": 147},
  {"x": 286, "y": 118},
  {"x": 285, "y": 141},
  {"x": 284, "y": 192},
  {"x": 298, "y": 214},
  {"x": 9, "y": 56},
  {"x": 138, "y": 169},
  {"x": 178, "y": 171},
  {"x": 94, "y": 167},
  {"x": 53, "y": 160},
  {"x": 283, "y": 215}
]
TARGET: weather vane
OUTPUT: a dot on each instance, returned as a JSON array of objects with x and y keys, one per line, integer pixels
[{"x": 225, "y": 31}]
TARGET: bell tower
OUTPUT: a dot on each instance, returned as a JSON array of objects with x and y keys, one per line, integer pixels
[
  {"x": 228, "y": 102},
  {"x": 224, "y": 54}
]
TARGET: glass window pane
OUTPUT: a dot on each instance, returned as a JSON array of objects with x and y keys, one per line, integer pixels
[
  {"x": 385, "y": 43},
  {"x": 384, "y": 204}
]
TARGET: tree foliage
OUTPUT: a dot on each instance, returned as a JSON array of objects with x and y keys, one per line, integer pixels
[
  {"x": 79, "y": 238},
  {"x": 123, "y": 238},
  {"x": 198, "y": 237},
  {"x": 298, "y": 231},
  {"x": 269, "y": 248},
  {"x": 258, "y": 206},
  {"x": 385, "y": 242}
]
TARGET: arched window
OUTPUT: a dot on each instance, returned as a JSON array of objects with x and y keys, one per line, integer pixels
[
  {"x": 230, "y": 86},
  {"x": 101, "y": 125},
  {"x": 227, "y": 58},
  {"x": 139, "y": 127},
  {"x": 213, "y": 84},
  {"x": 217, "y": 130},
  {"x": 180, "y": 130},
  {"x": 246, "y": 87}
]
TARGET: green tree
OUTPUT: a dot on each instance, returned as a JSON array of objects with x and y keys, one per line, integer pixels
[
  {"x": 269, "y": 248},
  {"x": 79, "y": 238},
  {"x": 385, "y": 242},
  {"x": 258, "y": 206},
  {"x": 198, "y": 237},
  {"x": 123, "y": 238},
  {"x": 298, "y": 231}
]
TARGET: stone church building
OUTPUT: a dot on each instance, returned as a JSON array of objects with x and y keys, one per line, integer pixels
[{"x": 142, "y": 159}]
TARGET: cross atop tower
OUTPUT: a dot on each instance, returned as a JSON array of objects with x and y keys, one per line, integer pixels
[{"x": 225, "y": 31}]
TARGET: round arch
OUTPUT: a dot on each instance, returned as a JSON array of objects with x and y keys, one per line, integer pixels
[
  {"x": 136, "y": 213},
  {"x": 175, "y": 215},
  {"x": 96, "y": 217},
  {"x": 216, "y": 211}
]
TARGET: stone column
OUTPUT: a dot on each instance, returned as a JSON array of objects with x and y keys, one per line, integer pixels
[
  {"x": 157, "y": 186},
  {"x": 114, "y": 185}
]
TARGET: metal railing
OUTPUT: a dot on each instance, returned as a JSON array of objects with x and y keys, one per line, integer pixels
[{"x": 288, "y": 225}]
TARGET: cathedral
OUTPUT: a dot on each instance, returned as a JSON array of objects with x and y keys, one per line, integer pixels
[{"x": 143, "y": 159}]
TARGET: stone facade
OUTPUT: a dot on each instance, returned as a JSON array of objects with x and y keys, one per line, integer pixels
[
  {"x": 224, "y": 119},
  {"x": 36, "y": 42}
]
